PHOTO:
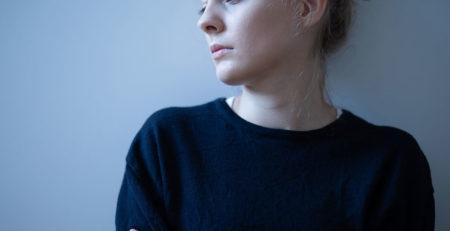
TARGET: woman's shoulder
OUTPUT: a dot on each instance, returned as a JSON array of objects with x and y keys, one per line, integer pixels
[
  {"x": 373, "y": 130},
  {"x": 180, "y": 115},
  {"x": 398, "y": 144},
  {"x": 391, "y": 147},
  {"x": 381, "y": 140}
]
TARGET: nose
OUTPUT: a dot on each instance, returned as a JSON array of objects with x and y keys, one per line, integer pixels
[{"x": 210, "y": 21}]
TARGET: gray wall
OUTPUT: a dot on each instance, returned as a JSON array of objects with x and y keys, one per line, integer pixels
[{"x": 78, "y": 79}]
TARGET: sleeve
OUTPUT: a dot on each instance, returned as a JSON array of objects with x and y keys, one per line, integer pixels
[
  {"x": 140, "y": 201},
  {"x": 404, "y": 198}
]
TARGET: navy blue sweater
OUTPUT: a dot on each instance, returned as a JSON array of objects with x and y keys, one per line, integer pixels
[{"x": 203, "y": 167}]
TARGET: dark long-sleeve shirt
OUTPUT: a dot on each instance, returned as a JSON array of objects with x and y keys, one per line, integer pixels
[{"x": 203, "y": 167}]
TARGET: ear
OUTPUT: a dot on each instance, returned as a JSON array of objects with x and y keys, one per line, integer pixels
[{"x": 312, "y": 11}]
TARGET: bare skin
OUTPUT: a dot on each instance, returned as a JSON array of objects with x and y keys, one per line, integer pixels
[{"x": 271, "y": 60}]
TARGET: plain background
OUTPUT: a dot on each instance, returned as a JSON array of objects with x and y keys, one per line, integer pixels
[{"x": 79, "y": 78}]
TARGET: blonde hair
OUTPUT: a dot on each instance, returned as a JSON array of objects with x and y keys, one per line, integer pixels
[
  {"x": 332, "y": 35},
  {"x": 337, "y": 22}
]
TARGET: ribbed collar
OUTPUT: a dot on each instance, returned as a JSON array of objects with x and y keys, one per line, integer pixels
[{"x": 235, "y": 120}]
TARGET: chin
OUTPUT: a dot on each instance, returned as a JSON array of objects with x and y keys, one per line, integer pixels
[
  {"x": 232, "y": 74},
  {"x": 229, "y": 79},
  {"x": 228, "y": 75}
]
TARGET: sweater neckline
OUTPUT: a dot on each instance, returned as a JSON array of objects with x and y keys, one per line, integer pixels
[{"x": 328, "y": 130}]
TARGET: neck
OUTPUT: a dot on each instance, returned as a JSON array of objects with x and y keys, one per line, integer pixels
[{"x": 300, "y": 105}]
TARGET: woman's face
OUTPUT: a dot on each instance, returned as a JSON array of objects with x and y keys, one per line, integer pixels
[{"x": 261, "y": 34}]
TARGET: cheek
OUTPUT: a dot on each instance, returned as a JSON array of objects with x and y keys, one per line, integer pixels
[
  {"x": 261, "y": 40},
  {"x": 262, "y": 48},
  {"x": 264, "y": 33}
]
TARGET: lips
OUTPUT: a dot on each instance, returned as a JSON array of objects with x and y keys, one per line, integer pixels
[
  {"x": 220, "y": 53},
  {"x": 217, "y": 47}
]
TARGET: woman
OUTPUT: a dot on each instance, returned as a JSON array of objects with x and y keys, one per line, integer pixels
[{"x": 279, "y": 156}]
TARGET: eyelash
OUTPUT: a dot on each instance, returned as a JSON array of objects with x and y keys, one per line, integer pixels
[{"x": 202, "y": 10}]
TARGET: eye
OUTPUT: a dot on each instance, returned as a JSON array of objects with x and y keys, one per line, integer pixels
[
  {"x": 232, "y": 1},
  {"x": 202, "y": 10}
]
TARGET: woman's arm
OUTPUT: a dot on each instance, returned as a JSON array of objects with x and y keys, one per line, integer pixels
[
  {"x": 140, "y": 203},
  {"x": 403, "y": 198}
]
